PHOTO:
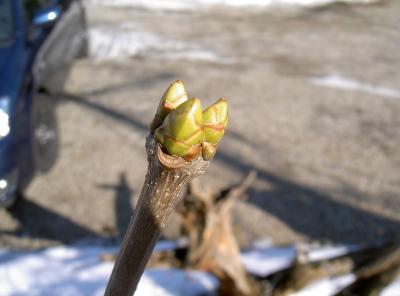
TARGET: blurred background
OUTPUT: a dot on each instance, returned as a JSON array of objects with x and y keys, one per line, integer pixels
[{"x": 313, "y": 88}]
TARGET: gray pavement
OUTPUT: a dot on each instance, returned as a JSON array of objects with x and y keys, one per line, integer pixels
[{"x": 314, "y": 99}]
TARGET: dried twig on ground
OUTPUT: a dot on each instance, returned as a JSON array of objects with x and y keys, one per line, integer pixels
[{"x": 207, "y": 220}]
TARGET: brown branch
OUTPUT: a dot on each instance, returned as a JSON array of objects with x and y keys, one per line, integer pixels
[{"x": 166, "y": 176}]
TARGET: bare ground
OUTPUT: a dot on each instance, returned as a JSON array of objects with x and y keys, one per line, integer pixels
[{"x": 327, "y": 159}]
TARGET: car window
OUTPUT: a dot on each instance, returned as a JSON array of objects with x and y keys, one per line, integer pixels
[
  {"x": 33, "y": 5},
  {"x": 6, "y": 20}
]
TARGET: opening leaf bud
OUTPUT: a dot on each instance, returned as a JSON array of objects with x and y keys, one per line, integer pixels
[
  {"x": 181, "y": 133},
  {"x": 174, "y": 96},
  {"x": 215, "y": 120}
]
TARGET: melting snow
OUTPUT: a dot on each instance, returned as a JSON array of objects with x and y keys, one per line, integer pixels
[
  {"x": 128, "y": 39},
  {"x": 265, "y": 261},
  {"x": 109, "y": 42},
  {"x": 340, "y": 82},
  {"x": 196, "y": 4},
  {"x": 79, "y": 271},
  {"x": 315, "y": 253},
  {"x": 327, "y": 286},
  {"x": 66, "y": 271},
  {"x": 392, "y": 290}
]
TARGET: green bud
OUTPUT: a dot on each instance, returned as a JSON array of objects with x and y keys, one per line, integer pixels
[
  {"x": 215, "y": 120},
  {"x": 172, "y": 98},
  {"x": 182, "y": 132}
]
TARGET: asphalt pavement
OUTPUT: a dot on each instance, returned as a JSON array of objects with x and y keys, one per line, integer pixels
[{"x": 314, "y": 108}]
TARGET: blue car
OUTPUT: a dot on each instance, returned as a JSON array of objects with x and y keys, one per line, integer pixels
[{"x": 38, "y": 41}]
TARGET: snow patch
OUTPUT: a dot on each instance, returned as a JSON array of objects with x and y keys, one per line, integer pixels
[
  {"x": 262, "y": 243},
  {"x": 315, "y": 253},
  {"x": 327, "y": 286},
  {"x": 118, "y": 42},
  {"x": 263, "y": 259},
  {"x": 340, "y": 82},
  {"x": 77, "y": 271},
  {"x": 203, "y": 4},
  {"x": 392, "y": 289},
  {"x": 268, "y": 260}
]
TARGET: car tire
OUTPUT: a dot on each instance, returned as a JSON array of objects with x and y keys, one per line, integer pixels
[
  {"x": 11, "y": 201},
  {"x": 45, "y": 133}
]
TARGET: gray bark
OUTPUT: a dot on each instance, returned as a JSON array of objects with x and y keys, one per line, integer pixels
[{"x": 165, "y": 179}]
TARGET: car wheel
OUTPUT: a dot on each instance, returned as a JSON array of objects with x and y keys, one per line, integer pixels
[
  {"x": 9, "y": 189},
  {"x": 11, "y": 200},
  {"x": 45, "y": 133}
]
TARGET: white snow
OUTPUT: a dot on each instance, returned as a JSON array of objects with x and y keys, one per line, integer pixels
[
  {"x": 268, "y": 260},
  {"x": 263, "y": 259},
  {"x": 125, "y": 40},
  {"x": 327, "y": 286},
  {"x": 315, "y": 253},
  {"x": 119, "y": 42},
  {"x": 340, "y": 82},
  {"x": 393, "y": 289},
  {"x": 201, "y": 4},
  {"x": 262, "y": 243},
  {"x": 78, "y": 270}
]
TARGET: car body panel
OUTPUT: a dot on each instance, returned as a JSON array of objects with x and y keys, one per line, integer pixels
[
  {"x": 34, "y": 59},
  {"x": 60, "y": 48}
]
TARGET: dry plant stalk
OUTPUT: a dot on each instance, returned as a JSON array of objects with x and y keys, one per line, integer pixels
[
  {"x": 176, "y": 155},
  {"x": 207, "y": 220}
]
